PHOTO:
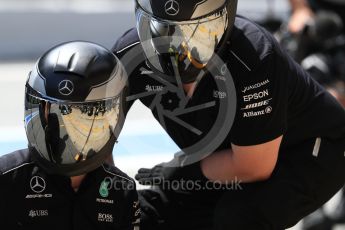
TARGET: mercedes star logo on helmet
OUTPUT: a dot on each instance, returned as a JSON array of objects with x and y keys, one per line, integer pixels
[
  {"x": 66, "y": 87},
  {"x": 37, "y": 184},
  {"x": 172, "y": 7}
]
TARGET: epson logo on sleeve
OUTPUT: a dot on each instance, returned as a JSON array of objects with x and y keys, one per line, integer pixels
[{"x": 256, "y": 96}]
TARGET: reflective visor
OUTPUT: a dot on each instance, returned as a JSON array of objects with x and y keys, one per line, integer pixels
[
  {"x": 67, "y": 133},
  {"x": 191, "y": 42}
]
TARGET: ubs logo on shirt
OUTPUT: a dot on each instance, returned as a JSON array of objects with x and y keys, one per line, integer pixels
[{"x": 38, "y": 213}]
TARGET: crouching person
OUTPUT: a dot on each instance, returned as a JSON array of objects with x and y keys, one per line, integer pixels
[{"x": 66, "y": 179}]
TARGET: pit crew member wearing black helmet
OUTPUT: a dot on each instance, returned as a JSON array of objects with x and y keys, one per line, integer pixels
[
  {"x": 286, "y": 145},
  {"x": 66, "y": 178}
]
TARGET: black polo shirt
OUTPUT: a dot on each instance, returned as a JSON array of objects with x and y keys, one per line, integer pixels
[
  {"x": 275, "y": 96},
  {"x": 32, "y": 199}
]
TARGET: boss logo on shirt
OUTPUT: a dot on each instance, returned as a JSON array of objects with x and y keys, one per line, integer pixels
[{"x": 102, "y": 217}]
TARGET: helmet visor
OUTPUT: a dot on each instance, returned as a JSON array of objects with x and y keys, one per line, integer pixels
[
  {"x": 190, "y": 42},
  {"x": 66, "y": 133}
]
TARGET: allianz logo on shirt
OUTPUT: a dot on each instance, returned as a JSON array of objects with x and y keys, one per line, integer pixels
[{"x": 267, "y": 110}]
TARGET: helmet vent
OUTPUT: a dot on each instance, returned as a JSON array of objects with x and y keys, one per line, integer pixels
[
  {"x": 72, "y": 61},
  {"x": 75, "y": 64}
]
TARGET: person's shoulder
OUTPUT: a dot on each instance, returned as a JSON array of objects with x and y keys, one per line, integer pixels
[
  {"x": 117, "y": 174},
  {"x": 250, "y": 43},
  {"x": 15, "y": 161},
  {"x": 128, "y": 40}
]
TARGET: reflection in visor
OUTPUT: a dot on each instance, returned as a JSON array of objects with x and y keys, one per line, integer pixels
[
  {"x": 67, "y": 133},
  {"x": 191, "y": 42}
]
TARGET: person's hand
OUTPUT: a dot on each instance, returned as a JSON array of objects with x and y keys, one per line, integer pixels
[
  {"x": 155, "y": 175},
  {"x": 299, "y": 19},
  {"x": 160, "y": 173}
]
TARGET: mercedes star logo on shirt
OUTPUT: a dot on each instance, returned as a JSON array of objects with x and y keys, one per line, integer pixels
[
  {"x": 172, "y": 7},
  {"x": 37, "y": 184},
  {"x": 66, "y": 87}
]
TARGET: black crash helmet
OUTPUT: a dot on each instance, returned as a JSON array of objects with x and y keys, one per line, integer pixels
[
  {"x": 73, "y": 107},
  {"x": 179, "y": 37}
]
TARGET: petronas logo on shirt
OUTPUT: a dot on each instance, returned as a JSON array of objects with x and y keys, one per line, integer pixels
[{"x": 103, "y": 189}]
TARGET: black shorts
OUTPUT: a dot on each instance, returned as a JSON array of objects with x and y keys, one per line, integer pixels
[{"x": 306, "y": 176}]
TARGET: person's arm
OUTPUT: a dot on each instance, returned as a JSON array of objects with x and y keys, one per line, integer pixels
[
  {"x": 301, "y": 13},
  {"x": 298, "y": 4},
  {"x": 244, "y": 163}
]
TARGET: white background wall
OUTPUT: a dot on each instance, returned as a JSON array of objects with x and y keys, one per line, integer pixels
[{"x": 29, "y": 27}]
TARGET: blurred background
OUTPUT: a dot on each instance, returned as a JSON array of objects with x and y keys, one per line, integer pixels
[{"x": 30, "y": 27}]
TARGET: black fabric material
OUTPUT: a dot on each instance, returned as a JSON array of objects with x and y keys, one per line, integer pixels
[
  {"x": 299, "y": 185},
  {"x": 57, "y": 206}
]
